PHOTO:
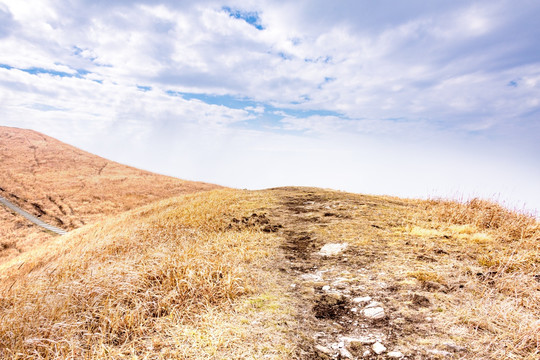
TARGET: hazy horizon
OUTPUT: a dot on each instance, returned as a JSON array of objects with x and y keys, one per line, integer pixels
[{"x": 423, "y": 99}]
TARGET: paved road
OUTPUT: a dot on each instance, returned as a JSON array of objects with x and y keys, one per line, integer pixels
[{"x": 31, "y": 218}]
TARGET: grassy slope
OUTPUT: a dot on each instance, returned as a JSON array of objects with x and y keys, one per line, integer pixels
[
  {"x": 200, "y": 277},
  {"x": 68, "y": 187},
  {"x": 167, "y": 280}
]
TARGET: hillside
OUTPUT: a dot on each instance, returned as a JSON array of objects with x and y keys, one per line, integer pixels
[
  {"x": 288, "y": 273},
  {"x": 68, "y": 188}
]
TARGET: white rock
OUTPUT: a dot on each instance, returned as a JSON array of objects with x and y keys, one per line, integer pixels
[
  {"x": 354, "y": 310},
  {"x": 345, "y": 354},
  {"x": 378, "y": 348},
  {"x": 323, "y": 350},
  {"x": 366, "y": 353},
  {"x": 362, "y": 299},
  {"x": 332, "y": 249},
  {"x": 374, "y": 313},
  {"x": 358, "y": 341},
  {"x": 395, "y": 354},
  {"x": 326, "y": 287}
]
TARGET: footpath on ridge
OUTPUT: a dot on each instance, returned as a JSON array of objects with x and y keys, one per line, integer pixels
[{"x": 348, "y": 306}]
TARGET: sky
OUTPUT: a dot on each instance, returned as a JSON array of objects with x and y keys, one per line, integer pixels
[{"x": 419, "y": 99}]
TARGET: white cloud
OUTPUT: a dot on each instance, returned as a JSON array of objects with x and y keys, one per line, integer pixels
[
  {"x": 255, "y": 109},
  {"x": 391, "y": 70}
]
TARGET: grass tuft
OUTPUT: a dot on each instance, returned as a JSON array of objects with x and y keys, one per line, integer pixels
[{"x": 487, "y": 215}]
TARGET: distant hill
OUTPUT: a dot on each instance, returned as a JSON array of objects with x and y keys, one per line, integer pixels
[{"x": 68, "y": 187}]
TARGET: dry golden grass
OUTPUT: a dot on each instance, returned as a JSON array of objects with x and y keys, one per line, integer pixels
[
  {"x": 172, "y": 280},
  {"x": 496, "y": 255},
  {"x": 18, "y": 235},
  {"x": 487, "y": 215},
  {"x": 68, "y": 187},
  {"x": 169, "y": 280}
]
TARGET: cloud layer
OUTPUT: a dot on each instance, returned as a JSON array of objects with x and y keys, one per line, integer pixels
[{"x": 314, "y": 85}]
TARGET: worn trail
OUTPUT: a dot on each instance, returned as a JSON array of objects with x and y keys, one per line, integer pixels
[
  {"x": 347, "y": 308},
  {"x": 31, "y": 217}
]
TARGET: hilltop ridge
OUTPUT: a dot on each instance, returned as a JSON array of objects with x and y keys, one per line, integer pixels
[
  {"x": 283, "y": 273},
  {"x": 289, "y": 273}
]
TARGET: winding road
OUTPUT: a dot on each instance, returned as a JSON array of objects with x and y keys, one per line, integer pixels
[{"x": 31, "y": 217}]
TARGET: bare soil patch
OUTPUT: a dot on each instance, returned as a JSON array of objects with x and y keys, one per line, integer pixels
[{"x": 365, "y": 295}]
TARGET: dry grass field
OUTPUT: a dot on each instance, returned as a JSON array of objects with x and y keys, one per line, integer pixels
[
  {"x": 68, "y": 187},
  {"x": 230, "y": 274},
  {"x": 169, "y": 280}
]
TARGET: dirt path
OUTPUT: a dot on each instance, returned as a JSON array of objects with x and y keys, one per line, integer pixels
[
  {"x": 31, "y": 218},
  {"x": 347, "y": 309}
]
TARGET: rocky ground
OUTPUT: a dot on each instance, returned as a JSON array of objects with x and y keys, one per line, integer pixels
[{"x": 348, "y": 309}]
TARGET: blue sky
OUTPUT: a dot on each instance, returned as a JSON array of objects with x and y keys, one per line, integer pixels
[{"x": 416, "y": 99}]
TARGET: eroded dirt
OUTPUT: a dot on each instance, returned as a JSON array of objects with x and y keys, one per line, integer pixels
[
  {"x": 257, "y": 221},
  {"x": 335, "y": 291}
]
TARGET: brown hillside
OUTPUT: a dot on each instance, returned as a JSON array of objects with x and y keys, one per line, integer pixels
[{"x": 68, "y": 187}]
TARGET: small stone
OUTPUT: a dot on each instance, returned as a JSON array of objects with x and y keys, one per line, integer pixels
[
  {"x": 374, "y": 313},
  {"x": 358, "y": 342},
  {"x": 378, "y": 348},
  {"x": 323, "y": 351},
  {"x": 326, "y": 288},
  {"x": 345, "y": 354},
  {"x": 362, "y": 299},
  {"x": 354, "y": 310},
  {"x": 332, "y": 249},
  {"x": 366, "y": 353},
  {"x": 395, "y": 354}
]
